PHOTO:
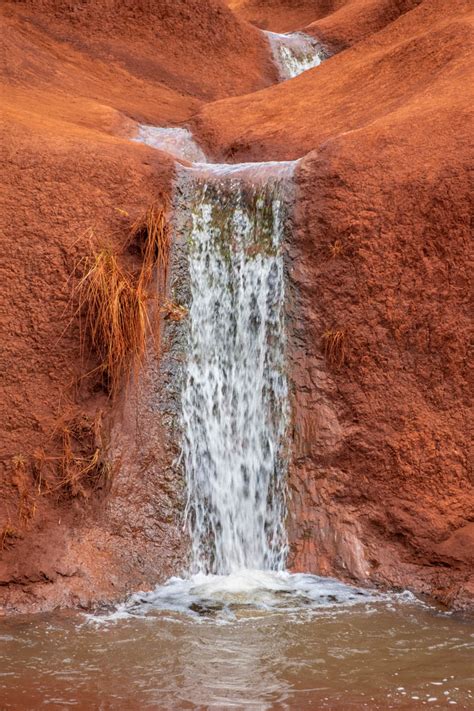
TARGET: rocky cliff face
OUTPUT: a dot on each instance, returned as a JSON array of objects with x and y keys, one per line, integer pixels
[{"x": 377, "y": 272}]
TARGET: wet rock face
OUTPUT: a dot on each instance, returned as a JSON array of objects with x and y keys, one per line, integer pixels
[
  {"x": 146, "y": 506},
  {"x": 380, "y": 482}
]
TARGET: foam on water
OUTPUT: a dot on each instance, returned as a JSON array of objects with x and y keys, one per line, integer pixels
[
  {"x": 226, "y": 595},
  {"x": 295, "y": 53}
]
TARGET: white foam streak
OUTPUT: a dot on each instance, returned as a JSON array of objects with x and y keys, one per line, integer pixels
[
  {"x": 295, "y": 53},
  {"x": 177, "y": 141},
  {"x": 280, "y": 591}
]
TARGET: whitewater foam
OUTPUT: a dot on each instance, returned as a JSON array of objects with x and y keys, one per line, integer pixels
[{"x": 295, "y": 53}]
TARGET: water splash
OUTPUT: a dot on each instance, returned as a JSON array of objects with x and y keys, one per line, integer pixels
[
  {"x": 228, "y": 595},
  {"x": 177, "y": 141},
  {"x": 235, "y": 398},
  {"x": 295, "y": 53}
]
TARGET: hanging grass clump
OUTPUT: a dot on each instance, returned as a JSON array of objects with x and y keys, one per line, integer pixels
[
  {"x": 151, "y": 234},
  {"x": 113, "y": 301}
]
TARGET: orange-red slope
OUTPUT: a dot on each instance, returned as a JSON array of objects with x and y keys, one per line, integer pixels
[
  {"x": 419, "y": 63},
  {"x": 283, "y": 15},
  {"x": 71, "y": 76},
  {"x": 338, "y": 23}
]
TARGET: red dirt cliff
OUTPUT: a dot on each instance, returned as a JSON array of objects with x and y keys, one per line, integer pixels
[
  {"x": 382, "y": 476},
  {"x": 378, "y": 276}
]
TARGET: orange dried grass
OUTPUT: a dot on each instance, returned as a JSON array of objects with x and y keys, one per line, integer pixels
[
  {"x": 7, "y": 536},
  {"x": 152, "y": 234},
  {"x": 113, "y": 302},
  {"x": 78, "y": 468},
  {"x": 115, "y": 315},
  {"x": 336, "y": 249},
  {"x": 80, "y": 455},
  {"x": 174, "y": 312}
]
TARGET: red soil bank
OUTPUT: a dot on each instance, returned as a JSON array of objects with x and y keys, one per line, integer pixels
[
  {"x": 282, "y": 15},
  {"x": 339, "y": 23},
  {"x": 354, "y": 20},
  {"x": 380, "y": 480},
  {"x": 415, "y": 66}
]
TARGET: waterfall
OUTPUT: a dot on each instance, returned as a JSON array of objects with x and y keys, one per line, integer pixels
[
  {"x": 295, "y": 53},
  {"x": 230, "y": 224},
  {"x": 235, "y": 395}
]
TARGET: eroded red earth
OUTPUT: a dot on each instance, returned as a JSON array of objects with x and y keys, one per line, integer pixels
[{"x": 381, "y": 485}]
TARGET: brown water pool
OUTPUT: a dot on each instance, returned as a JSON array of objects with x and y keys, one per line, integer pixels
[{"x": 379, "y": 654}]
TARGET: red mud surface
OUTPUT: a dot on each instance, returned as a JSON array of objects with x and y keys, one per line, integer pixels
[{"x": 381, "y": 486}]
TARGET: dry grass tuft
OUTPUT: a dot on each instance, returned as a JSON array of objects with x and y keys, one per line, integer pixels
[
  {"x": 115, "y": 315},
  {"x": 82, "y": 464},
  {"x": 335, "y": 347},
  {"x": 19, "y": 463},
  {"x": 26, "y": 507},
  {"x": 26, "y": 497},
  {"x": 151, "y": 233},
  {"x": 76, "y": 466},
  {"x": 79, "y": 458},
  {"x": 174, "y": 312},
  {"x": 7, "y": 535},
  {"x": 336, "y": 249},
  {"x": 113, "y": 302}
]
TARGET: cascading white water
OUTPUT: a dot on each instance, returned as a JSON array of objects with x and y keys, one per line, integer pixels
[
  {"x": 230, "y": 222},
  {"x": 295, "y": 53},
  {"x": 235, "y": 399}
]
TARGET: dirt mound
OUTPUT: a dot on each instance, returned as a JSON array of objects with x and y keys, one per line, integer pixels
[
  {"x": 338, "y": 23},
  {"x": 195, "y": 48},
  {"x": 283, "y": 15},
  {"x": 422, "y": 58},
  {"x": 351, "y": 22}
]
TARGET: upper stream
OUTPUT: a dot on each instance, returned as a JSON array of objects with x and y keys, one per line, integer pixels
[{"x": 295, "y": 53}]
